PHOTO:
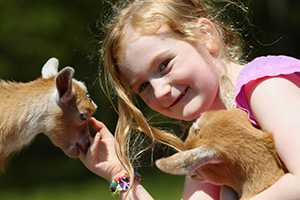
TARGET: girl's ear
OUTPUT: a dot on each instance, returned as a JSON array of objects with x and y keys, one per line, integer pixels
[{"x": 209, "y": 36}]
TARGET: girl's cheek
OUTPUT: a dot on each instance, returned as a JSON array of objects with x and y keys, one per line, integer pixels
[
  {"x": 147, "y": 98},
  {"x": 151, "y": 102}
]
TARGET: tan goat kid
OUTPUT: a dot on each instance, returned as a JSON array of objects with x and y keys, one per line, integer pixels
[
  {"x": 223, "y": 148},
  {"x": 56, "y": 105}
]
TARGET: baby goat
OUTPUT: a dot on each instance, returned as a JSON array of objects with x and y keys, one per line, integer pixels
[
  {"x": 56, "y": 105},
  {"x": 223, "y": 148}
]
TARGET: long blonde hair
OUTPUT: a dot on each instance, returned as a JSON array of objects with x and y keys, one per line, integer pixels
[{"x": 147, "y": 16}]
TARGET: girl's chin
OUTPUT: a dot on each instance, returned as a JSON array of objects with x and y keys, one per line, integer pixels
[
  {"x": 188, "y": 112},
  {"x": 191, "y": 116},
  {"x": 195, "y": 108}
]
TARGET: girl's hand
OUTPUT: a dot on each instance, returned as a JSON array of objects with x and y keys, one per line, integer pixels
[{"x": 101, "y": 157}]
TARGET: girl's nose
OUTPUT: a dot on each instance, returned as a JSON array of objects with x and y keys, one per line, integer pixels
[{"x": 161, "y": 91}]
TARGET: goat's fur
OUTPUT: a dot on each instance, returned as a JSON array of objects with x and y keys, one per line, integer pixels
[
  {"x": 55, "y": 104},
  {"x": 224, "y": 148}
]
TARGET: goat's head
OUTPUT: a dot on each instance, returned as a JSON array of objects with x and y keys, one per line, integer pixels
[
  {"x": 222, "y": 148},
  {"x": 72, "y": 110}
]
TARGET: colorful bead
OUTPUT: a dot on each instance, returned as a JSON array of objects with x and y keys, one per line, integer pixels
[{"x": 121, "y": 183}]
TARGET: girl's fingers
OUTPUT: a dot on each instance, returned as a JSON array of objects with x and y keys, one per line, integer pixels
[
  {"x": 93, "y": 150},
  {"x": 96, "y": 144},
  {"x": 100, "y": 127},
  {"x": 96, "y": 124}
]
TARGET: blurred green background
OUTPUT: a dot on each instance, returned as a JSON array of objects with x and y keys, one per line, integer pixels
[{"x": 32, "y": 31}]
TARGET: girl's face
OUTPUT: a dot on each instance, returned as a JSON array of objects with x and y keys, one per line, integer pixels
[{"x": 172, "y": 76}]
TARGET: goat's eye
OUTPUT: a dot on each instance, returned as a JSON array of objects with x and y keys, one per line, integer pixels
[{"x": 83, "y": 116}]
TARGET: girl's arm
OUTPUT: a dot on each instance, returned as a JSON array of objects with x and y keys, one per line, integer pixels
[
  {"x": 137, "y": 193},
  {"x": 102, "y": 160},
  {"x": 276, "y": 104},
  {"x": 195, "y": 190}
]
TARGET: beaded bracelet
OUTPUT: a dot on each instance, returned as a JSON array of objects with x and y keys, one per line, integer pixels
[{"x": 121, "y": 183}]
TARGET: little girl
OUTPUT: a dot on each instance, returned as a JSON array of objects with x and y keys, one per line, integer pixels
[{"x": 174, "y": 54}]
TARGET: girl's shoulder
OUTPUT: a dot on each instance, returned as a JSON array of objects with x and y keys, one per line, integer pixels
[
  {"x": 268, "y": 66},
  {"x": 259, "y": 68}
]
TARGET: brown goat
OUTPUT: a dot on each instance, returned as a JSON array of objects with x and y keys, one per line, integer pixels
[
  {"x": 223, "y": 148},
  {"x": 56, "y": 105}
]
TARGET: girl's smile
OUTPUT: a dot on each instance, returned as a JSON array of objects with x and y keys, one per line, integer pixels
[
  {"x": 181, "y": 97},
  {"x": 172, "y": 76}
]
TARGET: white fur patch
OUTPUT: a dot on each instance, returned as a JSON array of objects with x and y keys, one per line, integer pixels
[
  {"x": 197, "y": 124},
  {"x": 199, "y": 157},
  {"x": 50, "y": 68}
]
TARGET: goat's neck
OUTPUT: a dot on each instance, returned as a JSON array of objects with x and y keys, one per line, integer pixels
[
  {"x": 258, "y": 178},
  {"x": 24, "y": 110}
]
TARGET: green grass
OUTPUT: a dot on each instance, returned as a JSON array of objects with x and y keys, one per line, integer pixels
[
  {"x": 49, "y": 175},
  {"x": 86, "y": 190},
  {"x": 160, "y": 186}
]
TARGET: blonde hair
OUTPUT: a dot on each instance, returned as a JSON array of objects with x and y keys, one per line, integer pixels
[{"x": 146, "y": 17}]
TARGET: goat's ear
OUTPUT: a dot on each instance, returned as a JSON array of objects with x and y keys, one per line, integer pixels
[
  {"x": 64, "y": 84},
  {"x": 50, "y": 68},
  {"x": 184, "y": 162}
]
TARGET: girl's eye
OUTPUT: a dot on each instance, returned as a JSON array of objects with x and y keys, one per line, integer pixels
[
  {"x": 143, "y": 86},
  {"x": 162, "y": 66}
]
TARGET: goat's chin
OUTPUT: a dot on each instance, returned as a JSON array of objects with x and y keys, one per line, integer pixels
[{"x": 73, "y": 151}]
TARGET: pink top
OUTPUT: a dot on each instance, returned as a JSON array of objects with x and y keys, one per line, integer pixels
[{"x": 262, "y": 67}]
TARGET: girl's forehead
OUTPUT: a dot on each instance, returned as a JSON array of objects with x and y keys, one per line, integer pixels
[
  {"x": 140, "y": 53},
  {"x": 134, "y": 42},
  {"x": 144, "y": 49},
  {"x": 130, "y": 33}
]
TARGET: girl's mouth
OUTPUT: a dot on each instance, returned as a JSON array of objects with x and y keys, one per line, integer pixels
[{"x": 179, "y": 98}]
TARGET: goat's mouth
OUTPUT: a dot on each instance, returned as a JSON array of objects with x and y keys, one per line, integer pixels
[
  {"x": 83, "y": 147},
  {"x": 73, "y": 151},
  {"x": 76, "y": 149}
]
